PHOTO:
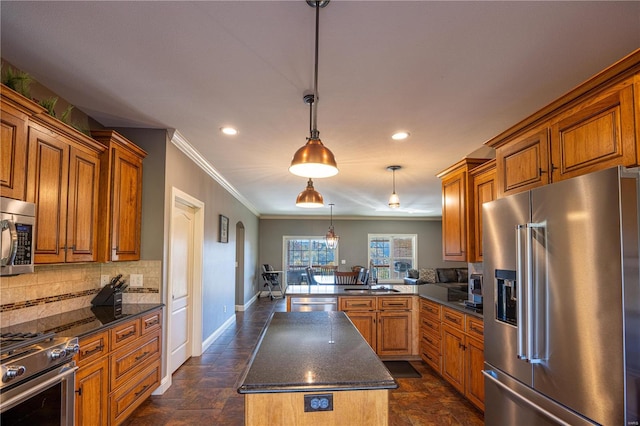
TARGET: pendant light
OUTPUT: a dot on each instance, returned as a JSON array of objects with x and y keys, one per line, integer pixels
[
  {"x": 309, "y": 198},
  {"x": 394, "y": 200},
  {"x": 314, "y": 160},
  {"x": 331, "y": 237}
]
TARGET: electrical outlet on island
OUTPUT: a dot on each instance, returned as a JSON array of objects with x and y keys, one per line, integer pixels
[{"x": 135, "y": 280}]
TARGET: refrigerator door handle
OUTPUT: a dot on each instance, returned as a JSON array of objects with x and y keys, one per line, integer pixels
[
  {"x": 532, "y": 355},
  {"x": 491, "y": 376},
  {"x": 521, "y": 321}
]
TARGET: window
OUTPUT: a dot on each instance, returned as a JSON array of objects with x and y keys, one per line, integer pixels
[
  {"x": 391, "y": 256},
  {"x": 302, "y": 252}
]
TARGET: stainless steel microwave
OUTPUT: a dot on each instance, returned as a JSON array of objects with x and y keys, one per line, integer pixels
[{"x": 17, "y": 223}]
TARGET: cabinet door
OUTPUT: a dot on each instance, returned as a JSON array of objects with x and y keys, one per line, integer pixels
[
  {"x": 474, "y": 363},
  {"x": 453, "y": 357},
  {"x": 595, "y": 135},
  {"x": 523, "y": 163},
  {"x": 126, "y": 206},
  {"x": 484, "y": 190},
  {"x": 82, "y": 214},
  {"x": 13, "y": 161},
  {"x": 394, "y": 333},
  {"x": 47, "y": 187},
  {"x": 454, "y": 226},
  {"x": 365, "y": 322},
  {"x": 92, "y": 393}
]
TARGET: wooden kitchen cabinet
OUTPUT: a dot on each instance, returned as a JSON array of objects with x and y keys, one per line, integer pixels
[
  {"x": 458, "y": 225},
  {"x": 591, "y": 128},
  {"x": 430, "y": 334},
  {"x": 119, "y": 367},
  {"x": 92, "y": 393},
  {"x": 13, "y": 145},
  {"x": 483, "y": 180},
  {"x": 120, "y": 197},
  {"x": 63, "y": 179},
  {"x": 523, "y": 163},
  {"x": 597, "y": 134},
  {"x": 386, "y": 323},
  {"x": 452, "y": 343}
]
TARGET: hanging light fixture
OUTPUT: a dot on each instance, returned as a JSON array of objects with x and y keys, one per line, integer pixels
[
  {"x": 331, "y": 237},
  {"x": 314, "y": 160},
  {"x": 394, "y": 200},
  {"x": 309, "y": 198}
]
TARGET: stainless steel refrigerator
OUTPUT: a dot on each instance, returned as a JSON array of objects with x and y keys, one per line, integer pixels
[{"x": 562, "y": 303}]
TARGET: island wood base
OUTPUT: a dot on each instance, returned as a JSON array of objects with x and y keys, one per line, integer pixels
[{"x": 362, "y": 407}]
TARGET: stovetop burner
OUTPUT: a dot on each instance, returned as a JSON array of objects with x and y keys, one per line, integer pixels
[{"x": 12, "y": 342}]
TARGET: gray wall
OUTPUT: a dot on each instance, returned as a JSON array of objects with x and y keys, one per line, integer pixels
[
  {"x": 353, "y": 238},
  {"x": 166, "y": 167}
]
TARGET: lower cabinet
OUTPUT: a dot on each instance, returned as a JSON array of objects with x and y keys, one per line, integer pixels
[
  {"x": 452, "y": 343},
  {"x": 118, "y": 369},
  {"x": 92, "y": 393},
  {"x": 386, "y": 323}
]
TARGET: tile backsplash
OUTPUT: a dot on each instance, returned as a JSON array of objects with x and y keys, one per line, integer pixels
[{"x": 56, "y": 289}]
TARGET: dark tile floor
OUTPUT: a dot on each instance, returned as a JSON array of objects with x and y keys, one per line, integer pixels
[{"x": 203, "y": 390}]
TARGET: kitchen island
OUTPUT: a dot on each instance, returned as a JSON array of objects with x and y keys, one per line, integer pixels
[{"x": 315, "y": 368}]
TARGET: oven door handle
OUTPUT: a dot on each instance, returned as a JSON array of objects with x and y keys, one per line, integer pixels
[
  {"x": 8, "y": 225},
  {"x": 33, "y": 390}
]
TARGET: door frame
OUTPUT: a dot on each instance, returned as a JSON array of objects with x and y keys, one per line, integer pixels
[{"x": 195, "y": 307}]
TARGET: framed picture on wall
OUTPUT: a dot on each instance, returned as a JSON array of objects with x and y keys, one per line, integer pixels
[{"x": 224, "y": 229}]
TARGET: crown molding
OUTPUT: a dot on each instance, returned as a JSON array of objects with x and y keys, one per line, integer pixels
[{"x": 183, "y": 145}]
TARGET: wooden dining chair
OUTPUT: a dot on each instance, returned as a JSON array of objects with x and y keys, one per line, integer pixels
[{"x": 346, "y": 277}]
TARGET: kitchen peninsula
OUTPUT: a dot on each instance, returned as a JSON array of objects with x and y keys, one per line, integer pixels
[{"x": 315, "y": 368}]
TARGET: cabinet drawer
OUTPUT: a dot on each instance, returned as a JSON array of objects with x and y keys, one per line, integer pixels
[
  {"x": 453, "y": 318},
  {"x": 124, "y": 333},
  {"x": 428, "y": 323},
  {"x": 126, "y": 399},
  {"x": 127, "y": 361},
  {"x": 475, "y": 327},
  {"x": 432, "y": 309},
  {"x": 151, "y": 322},
  {"x": 431, "y": 340},
  {"x": 431, "y": 357},
  {"x": 394, "y": 303},
  {"x": 92, "y": 347},
  {"x": 357, "y": 303}
]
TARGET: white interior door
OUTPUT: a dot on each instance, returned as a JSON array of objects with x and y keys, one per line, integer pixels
[{"x": 182, "y": 234}]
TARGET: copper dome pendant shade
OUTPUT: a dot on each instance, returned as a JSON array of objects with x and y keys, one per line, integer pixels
[
  {"x": 309, "y": 198},
  {"x": 314, "y": 160}
]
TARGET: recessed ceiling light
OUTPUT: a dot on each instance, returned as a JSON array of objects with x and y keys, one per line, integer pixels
[
  {"x": 400, "y": 136},
  {"x": 229, "y": 131}
]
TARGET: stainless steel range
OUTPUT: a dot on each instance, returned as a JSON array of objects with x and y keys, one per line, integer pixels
[{"x": 38, "y": 379}]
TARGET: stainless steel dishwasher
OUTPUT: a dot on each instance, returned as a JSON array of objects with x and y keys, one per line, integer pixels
[{"x": 312, "y": 304}]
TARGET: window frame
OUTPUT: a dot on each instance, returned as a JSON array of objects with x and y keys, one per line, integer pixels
[
  {"x": 311, "y": 238},
  {"x": 396, "y": 276}
]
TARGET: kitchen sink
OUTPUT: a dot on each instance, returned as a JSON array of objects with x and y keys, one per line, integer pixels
[{"x": 371, "y": 290}]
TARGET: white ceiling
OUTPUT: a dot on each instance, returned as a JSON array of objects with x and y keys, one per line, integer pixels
[{"x": 453, "y": 74}]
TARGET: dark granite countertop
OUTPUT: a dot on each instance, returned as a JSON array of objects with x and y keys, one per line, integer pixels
[
  {"x": 82, "y": 322},
  {"x": 451, "y": 295},
  {"x": 351, "y": 290},
  {"x": 313, "y": 351}
]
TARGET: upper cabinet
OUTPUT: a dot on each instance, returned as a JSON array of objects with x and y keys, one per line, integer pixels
[
  {"x": 458, "y": 214},
  {"x": 483, "y": 184},
  {"x": 593, "y": 127},
  {"x": 63, "y": 178},
  {"x": 51, "y": 164},
  {"x": 121, "y": 197},
  {"x": 13, "y": 143},
  {"x": 87, "y": 191}
]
